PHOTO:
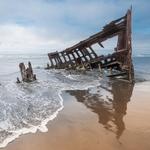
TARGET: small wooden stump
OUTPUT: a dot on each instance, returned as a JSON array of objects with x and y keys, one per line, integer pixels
[{"x": 26, "y": 73}]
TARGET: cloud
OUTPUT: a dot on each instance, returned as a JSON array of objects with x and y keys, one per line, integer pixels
[
  {"x": 43, "y": 25},
  {"x": 14, "y": 38}
]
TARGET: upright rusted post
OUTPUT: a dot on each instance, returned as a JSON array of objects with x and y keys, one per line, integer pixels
[
  {"x": 26, "y": 73},
  {"x": 84, "y": 56},
  {"x": 22, "y": 71},
  {"x": 87, "y": 53},
  {"x": 52, "y": 64},
  {"x": 93, "y": 51},
  {"x": 76, "y": 51},
  {"x": 73, "y": 55},
  {"x": 55, "y": 61},
  {"x": 121, "y": 44},
  {"x": 59, "y": 59},
  {"x": 63, "y": 55},
  {"x": 70, "y": 60},
  {"x": 129, "y": 45},
  {"x": 30, "y": 69}
]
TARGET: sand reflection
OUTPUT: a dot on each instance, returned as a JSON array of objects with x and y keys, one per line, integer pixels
[{"x": 111, "y": 109}]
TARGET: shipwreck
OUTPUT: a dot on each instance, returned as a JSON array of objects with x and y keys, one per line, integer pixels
[{"x": 82, "y": 54}]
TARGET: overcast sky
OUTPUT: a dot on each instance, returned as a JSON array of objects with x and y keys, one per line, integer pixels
[{"x": 40, "y": 26}]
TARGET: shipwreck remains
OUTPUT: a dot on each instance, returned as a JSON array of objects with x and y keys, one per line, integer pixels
[
  {"x": 82, "y": 54},
  {"x": 26, "y": 73}
]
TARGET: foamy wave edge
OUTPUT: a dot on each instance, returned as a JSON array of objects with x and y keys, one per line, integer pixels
[{"x": 42, "y": 127}]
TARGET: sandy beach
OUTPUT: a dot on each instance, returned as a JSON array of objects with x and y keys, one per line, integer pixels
[{"x": 89, "y": 122}]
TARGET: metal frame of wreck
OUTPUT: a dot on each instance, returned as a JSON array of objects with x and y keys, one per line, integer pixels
[{"x": 83, "y": 53}]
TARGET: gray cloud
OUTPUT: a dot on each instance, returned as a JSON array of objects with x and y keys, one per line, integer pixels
[{"x": 65, "y": 22}]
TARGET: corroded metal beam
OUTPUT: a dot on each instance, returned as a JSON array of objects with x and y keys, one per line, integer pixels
[
  {"x": 26, "y": 73},
  {"x": 120, "y": 60}
]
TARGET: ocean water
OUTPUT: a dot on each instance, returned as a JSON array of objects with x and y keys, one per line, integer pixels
[
  {"x": 142, "y": 67},
  {"x": 28, "y": 107}
]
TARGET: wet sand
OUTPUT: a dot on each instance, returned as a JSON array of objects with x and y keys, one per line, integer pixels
[{"x": 115, "y": 117}]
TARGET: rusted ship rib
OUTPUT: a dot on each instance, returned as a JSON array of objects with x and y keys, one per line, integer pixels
[{"x": 82, "y": 54}]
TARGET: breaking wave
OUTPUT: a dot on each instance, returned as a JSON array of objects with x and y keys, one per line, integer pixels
[{"x": 28, "y": 107}]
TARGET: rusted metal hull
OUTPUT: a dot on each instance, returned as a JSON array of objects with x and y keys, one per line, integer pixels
[
  {"x": 26, "y": 73},
  {"x": 83, "y": 55}
]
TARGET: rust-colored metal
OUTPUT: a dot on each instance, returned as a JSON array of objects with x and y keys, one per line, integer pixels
[
  {"x": 26, "y": 73},
  {"x": 82, "y": 54}
]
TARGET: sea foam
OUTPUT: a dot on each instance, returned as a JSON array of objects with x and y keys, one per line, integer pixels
[{"x": 28, "y": 107}]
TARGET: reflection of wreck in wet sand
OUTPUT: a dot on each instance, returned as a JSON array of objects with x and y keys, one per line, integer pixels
[{"x": 112, "y": 110}]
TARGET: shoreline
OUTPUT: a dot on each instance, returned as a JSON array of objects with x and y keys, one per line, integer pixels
[
  {"x": 80, "y": 125},
  {"x": 33, "y": 130}
]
